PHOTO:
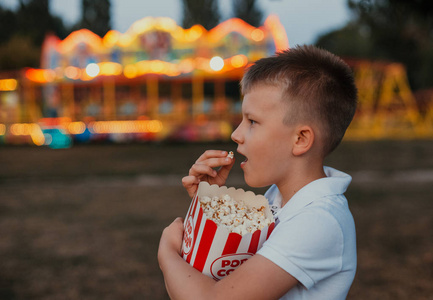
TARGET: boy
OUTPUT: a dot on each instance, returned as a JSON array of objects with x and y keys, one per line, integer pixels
[{"x": 296, "y": 108}]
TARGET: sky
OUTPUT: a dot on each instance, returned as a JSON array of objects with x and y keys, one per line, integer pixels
[{"x": 304, "y": 20}]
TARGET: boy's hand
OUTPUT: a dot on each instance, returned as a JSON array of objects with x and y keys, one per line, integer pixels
[{"x": 203, "y": 170}]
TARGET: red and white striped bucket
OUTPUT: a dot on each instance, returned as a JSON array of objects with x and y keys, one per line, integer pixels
[{"x": 213, "y": 250}]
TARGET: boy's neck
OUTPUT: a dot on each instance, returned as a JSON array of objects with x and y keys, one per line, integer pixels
[{"x": 298, "y": 179}]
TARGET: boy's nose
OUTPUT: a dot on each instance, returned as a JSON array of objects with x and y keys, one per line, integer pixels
[{"x": 236, "y": 135}]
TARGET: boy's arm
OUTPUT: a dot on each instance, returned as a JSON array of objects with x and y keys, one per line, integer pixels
[{"x": 257, "y": 278}]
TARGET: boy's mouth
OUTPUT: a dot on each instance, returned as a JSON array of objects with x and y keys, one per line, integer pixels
[
  {"x": 245, "y": 160},
  {"x": 244, "y": 163}
]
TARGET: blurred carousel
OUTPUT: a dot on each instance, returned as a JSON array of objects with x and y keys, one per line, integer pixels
[{"x": 158, "y": 81}]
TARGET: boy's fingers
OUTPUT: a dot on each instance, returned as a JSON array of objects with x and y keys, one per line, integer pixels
[
  {"x": 205, "y": 166},
  {"x": 189, "y": 181},
  {"x": 199, "y": 170},
  {"x": 225, "y": 170},
  {"x": 212, "y": 154},
  {"x": 215, "y": 162}
]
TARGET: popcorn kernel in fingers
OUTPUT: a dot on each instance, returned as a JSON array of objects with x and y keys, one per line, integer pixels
[{"x": 231, "y": 155}]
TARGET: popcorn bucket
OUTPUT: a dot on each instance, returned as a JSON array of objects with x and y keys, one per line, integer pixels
[{"x": 212, "y": 249}]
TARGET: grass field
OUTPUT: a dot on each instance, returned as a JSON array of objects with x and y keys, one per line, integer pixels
[{"x": 85, "y": 222}]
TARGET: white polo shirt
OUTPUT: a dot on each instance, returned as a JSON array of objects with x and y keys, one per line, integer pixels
[{"x": 314, "y": 239}]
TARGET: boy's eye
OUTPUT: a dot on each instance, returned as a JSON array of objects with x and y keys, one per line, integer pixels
[{"x": 252, "y": 122}]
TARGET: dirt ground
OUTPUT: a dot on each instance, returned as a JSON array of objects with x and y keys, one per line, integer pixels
[{"x": 85, "y": 222}]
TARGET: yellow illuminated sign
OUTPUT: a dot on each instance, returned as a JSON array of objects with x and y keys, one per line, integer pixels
[
  {"x": 139, "y": 126},
  {"x": 8, "y": 84}
]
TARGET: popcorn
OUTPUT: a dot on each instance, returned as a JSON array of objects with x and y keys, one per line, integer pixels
[
  {"x": 234, "y": 215},
  {"x": 231, "y": 155},
  {"x": 223, "y": 228}
]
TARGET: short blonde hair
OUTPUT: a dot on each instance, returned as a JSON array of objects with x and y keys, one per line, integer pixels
[{"x": 318, "y": 85}]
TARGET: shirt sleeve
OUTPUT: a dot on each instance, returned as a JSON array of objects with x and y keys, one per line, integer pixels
[{"x": 308, "y": 246}]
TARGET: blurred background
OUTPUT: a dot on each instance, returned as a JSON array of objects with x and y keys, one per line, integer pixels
[{"x": 104, "y": 106}]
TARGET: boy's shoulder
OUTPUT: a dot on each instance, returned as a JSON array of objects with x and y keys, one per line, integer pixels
[{"x": 315, "y": 231}]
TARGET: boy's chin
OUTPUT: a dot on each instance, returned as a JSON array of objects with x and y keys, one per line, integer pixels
[{"x": 254, "y": 182}]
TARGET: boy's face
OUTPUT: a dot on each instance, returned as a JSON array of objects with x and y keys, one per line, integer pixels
[{"x": 263, "y": 138}]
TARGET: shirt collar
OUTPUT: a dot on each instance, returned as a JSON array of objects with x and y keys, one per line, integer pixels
[{"x": 335, "y": 182}]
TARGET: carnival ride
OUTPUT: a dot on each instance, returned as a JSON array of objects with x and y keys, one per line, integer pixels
[
  {"x": 387, "y": 108},
  {"x": 158, "y": 81}
]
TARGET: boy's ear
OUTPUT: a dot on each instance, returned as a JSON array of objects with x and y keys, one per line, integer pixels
[{"x": 304, "y": 140}]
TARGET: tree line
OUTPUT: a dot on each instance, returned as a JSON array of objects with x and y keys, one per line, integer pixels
[
  {"x": 388, "y": 30},
  {"x": 23, "y": 30}
]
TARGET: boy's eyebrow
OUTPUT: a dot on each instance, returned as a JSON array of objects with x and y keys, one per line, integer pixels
[{"x": 249, "y": 113}]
